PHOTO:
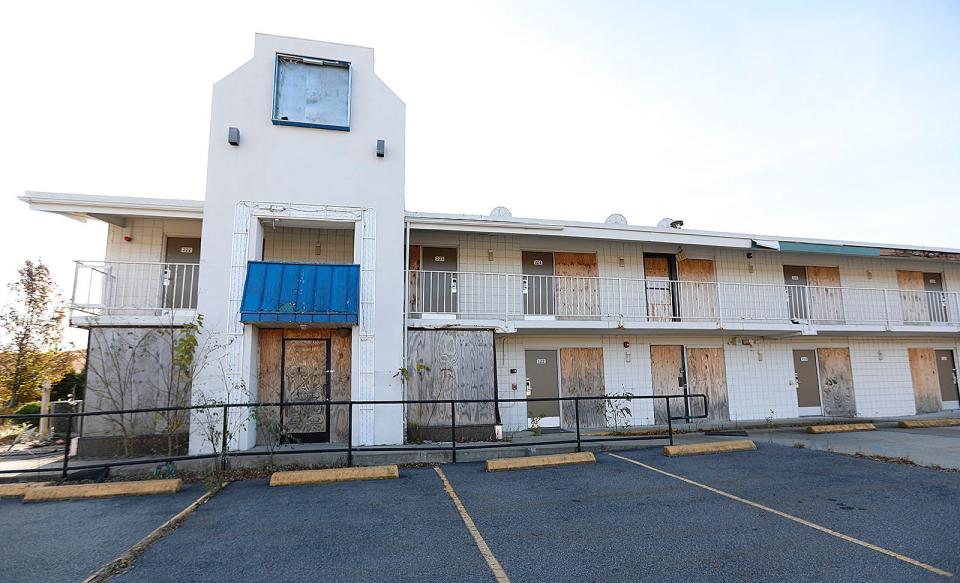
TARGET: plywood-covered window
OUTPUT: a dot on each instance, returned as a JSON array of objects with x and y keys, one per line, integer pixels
[{"x": 312, "y": 93}]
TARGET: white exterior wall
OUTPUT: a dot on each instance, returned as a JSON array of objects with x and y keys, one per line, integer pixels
[
  {"x": 760, "y": 378},
  {"x": 305, "y": 173},
  {"x": 149, "y": 238},
  {"x": 296, "y": 244}
]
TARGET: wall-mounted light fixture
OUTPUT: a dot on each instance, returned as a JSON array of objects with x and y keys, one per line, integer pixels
[
  {"x": 233, "y": 136},
  {"x": 489, "y": 254},
  {"x": 381, "y": 148}
]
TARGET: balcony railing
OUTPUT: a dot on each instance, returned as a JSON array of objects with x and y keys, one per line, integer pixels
[
  {"x": 134, "y": 288},
  {"x": 513, "y": 297}
]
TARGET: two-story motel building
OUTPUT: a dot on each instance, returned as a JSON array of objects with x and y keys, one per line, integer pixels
[{"x": 314, "y": 282}]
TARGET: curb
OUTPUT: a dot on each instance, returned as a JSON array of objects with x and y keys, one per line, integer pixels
[
  {"x": 18, "y": 490},
  {"x": 329, "y": 476},
  {"x": 922, "y": 423},
  {"x": 105, "y": 490},
  {"x": 707, "y": 448},
  {"x": 841, "y": 428},
  {"x": 540, "y": 461}
]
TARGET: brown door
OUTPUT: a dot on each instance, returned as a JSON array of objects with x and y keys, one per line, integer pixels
[
  {"x": 836, "y": 382},
  {"x": 660, "y": 300},
  {"x": 795, "y": 280},
  {"x": 913, "y": 301},
  {"x": 697, "y": 290},
  {"x": 926, "y": 379},
  {"x": 438, "y": 281},
  {"x": 669, "y": 378},
  {"x": 936, "y": 299},
  {"x": 543, "y": 380},
  {"x": 415, "y": 303},
  {"x": 581, "y": 375},
  {"x": 807, "y": 380},
  {"x": 707, "y": 375},
  {"x": 538, "y": 283},
  {"x": 947, "y": 371},
  {"x": 578, "y": 292},
  {"x": 826, "y": 295},
  {"x": 305, "y": 376},
  {"x": 181, "y": 274}
]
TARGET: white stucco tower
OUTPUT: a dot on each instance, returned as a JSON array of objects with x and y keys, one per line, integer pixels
[{"x": 309, "y": 117}]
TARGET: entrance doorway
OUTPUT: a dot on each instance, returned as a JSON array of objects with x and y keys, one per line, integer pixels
[
  {"x": 543, "y": 382},
  {"x": 305, "y": 376},
  {"x": 181, "y": 274},
  {"x": 808, "y": 382},
  {"x": 438, "y": 281},
  {"x": 947, "y": 371},
  {"x": 538, "y": 284}
]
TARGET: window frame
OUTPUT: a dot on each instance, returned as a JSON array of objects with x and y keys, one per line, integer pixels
[{"x": 317, "y": 62}]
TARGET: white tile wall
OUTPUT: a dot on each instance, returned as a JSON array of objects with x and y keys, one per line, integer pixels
[
  {"x": 300, "y": 244},
  {"x": 760, "y": 378},
  {"x": 148, "y": 238}
]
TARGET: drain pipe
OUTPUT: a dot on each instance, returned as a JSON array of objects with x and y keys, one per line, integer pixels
[{"x": 406, "y": 312}]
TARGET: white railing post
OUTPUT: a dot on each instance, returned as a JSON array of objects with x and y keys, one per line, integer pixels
[{"x": 620, "y": 297}]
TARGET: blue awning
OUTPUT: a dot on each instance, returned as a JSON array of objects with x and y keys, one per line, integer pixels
[{"x": 300, "y": 293}]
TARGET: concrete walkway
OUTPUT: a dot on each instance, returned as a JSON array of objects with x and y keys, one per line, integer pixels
[{"x": 934, "y": 448}]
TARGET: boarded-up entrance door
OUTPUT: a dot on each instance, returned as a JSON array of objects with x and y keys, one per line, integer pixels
[
  {"x": 538, "y": 283},
  {"x": 706, "y": 375},
  {"x": 795, "y": 279},
  {"x": 913, "y": 304},
  {"x": 926, "y": 379},
  {"x": 697, "y": 289},
  {"x": 936, "y": 299},
  {"x": 669, "y": 378},
  {"x": 581, "y": 375},
  {"x": 947, "y": 371},
  {"x": 578, "y": 291},
  {"x": 438, "y": 281},
  {"x": 181, "y": 274},
  {"x": 305, "y": 376},
  {"x": 836, "y": 380},
  {"x": 656, "y": 274},
  {"x": 543, "y": 380},
  {"x": 826, "y": 299},
  {"x": 808, "y": 382}
]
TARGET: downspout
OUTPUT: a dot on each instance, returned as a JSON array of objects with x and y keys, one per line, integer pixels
[{"x": 406, "y": 311}]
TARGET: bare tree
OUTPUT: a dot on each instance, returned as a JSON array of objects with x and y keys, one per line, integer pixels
[{"x": 33, "y": 325}]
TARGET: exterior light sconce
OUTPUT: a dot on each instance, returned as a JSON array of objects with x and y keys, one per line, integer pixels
[
  {"x": 233, "y": 136},
  {"x": 381, "y": 148},
  {"x": 879, "y": 355},
  {"x": 623, "y": 262},
  {"x": 489, "y": 254}
]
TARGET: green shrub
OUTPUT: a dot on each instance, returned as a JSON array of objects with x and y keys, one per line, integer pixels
[{"x": 29, "y": 409}]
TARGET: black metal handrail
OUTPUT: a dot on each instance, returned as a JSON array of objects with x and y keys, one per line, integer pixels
[{"x": 349, "y": 448}]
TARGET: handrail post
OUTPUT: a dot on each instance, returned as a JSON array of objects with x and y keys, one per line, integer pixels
[
  {"x": 576, "y": 411},
  {"x": 453, "y": 428},
  {"x": 66, "y": 447},
  {"x": 669, "y": 420},
  {"x": 223, "y": 440},
  {"x": 350, "y": 434},
  {"x": 620, "y": 297}
]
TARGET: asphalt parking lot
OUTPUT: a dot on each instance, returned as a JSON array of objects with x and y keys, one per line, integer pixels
[{"x": 777, "y": 513}]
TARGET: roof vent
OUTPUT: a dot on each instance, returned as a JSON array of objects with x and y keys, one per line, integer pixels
[
  {"x": 501, "y": 211},
  {"x": 616, "y": 219},
  {"x": 669, "y": 223}
]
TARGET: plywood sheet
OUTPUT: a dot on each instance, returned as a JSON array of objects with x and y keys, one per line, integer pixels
[
  {"x": 578, "y": 293},
  {"x": 826, "y": 297},
  {"x": 305, "y": 379},
  {"x": 455, "y": 364},
  {"x": 581, "y": 375},
  {"x": 413, "y": 282},
  {"x": 656, "y": 273},
  {"x": 706, "y": 374},
  {"x": 926, "y": 381},
  {"x": 268, "y": 378},
  {"x": 341, "y": 389},
  {"x": 836, "y": 382},
  {"x": 698, "y": 289},
  {"x": 913, "y": 304},
  {"x": 666, "y": 367}
]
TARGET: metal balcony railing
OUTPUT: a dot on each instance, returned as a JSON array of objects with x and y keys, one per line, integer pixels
[
  {"x": 134, "y": 288},
  {"x": 512, "y": 297}
]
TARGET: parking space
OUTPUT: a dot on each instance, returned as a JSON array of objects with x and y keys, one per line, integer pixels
[
  {"x": 66, "y": 541},
  {"x": 398, "y": 530},
  {"x": 777, "y": 513}
]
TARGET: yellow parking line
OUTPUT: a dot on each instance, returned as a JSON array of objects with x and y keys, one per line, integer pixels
[
  {"x": 796, "y": 519},
  {"x": 491, "y": 560}
]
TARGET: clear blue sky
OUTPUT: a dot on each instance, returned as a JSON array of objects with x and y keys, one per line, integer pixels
[{"x": 821, "y": 119}]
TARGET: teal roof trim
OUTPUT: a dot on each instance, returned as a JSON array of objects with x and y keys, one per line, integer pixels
[{"x": 793, "y": 247}]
